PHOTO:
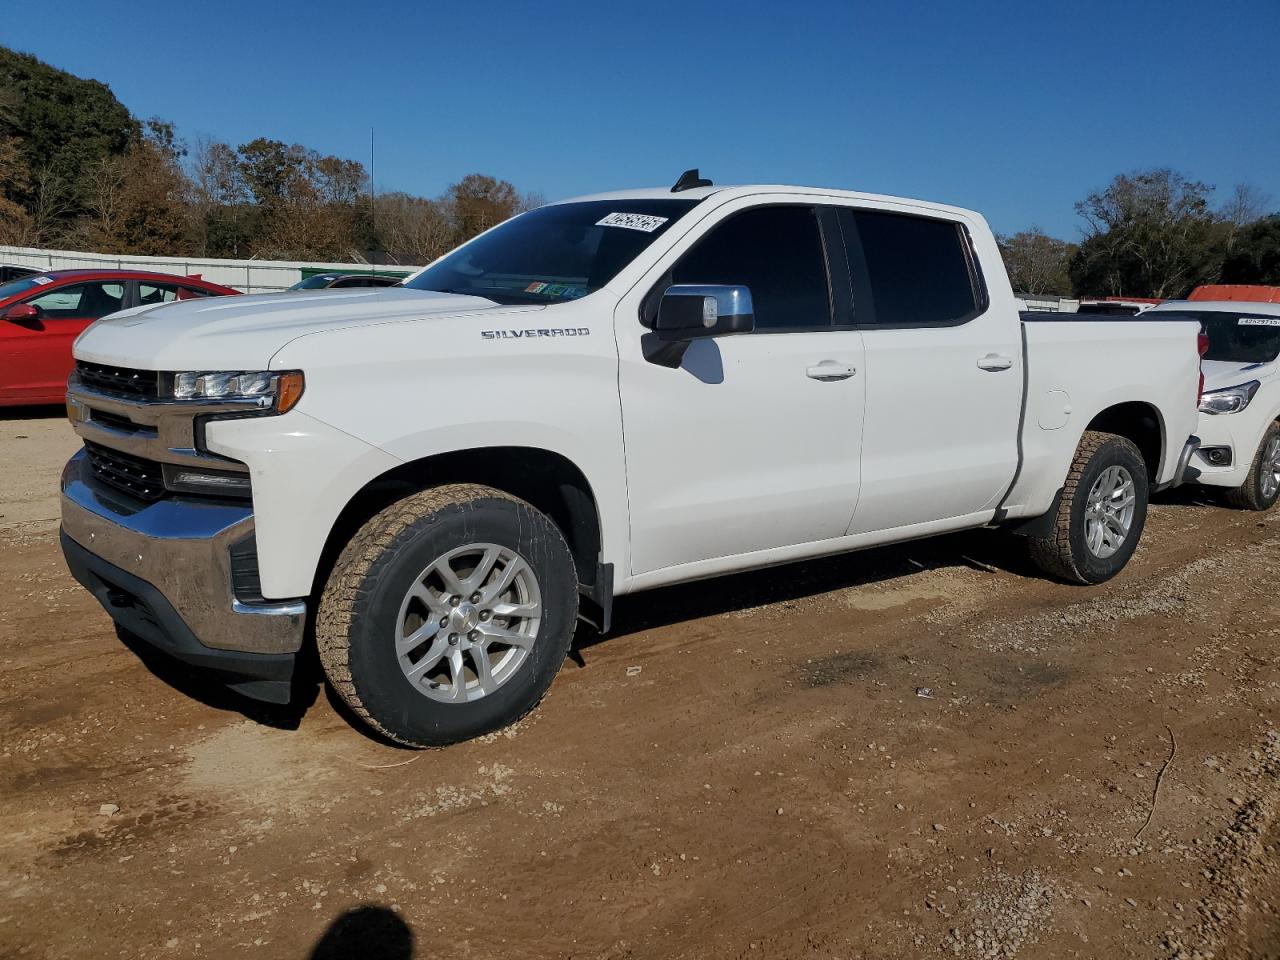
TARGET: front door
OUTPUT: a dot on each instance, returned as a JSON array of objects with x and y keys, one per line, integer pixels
[
  {"x": 35, "y": 355},
  {"x": 752, "y": 443}
]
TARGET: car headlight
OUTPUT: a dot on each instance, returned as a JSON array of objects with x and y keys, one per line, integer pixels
[
  {"x": 276, "y": 389},
  {"x": 1230, "y": 400}
]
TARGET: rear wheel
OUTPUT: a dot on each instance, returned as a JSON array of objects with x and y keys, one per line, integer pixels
[
  {"x": 448, "y": 614},
  {"x": 1101, "y": 514},
  {"x": 1261, "y": 487}
]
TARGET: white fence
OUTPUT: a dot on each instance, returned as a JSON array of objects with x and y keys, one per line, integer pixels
[{"x": 247, "y": 276}]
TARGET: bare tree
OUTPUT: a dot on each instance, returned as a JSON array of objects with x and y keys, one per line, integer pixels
[
  {"x": 49, "y": 207},
  {"x": 1246, "y": 205},
  {"x": 413, "y": 226},
  {"x": 1037, "y": 262}
]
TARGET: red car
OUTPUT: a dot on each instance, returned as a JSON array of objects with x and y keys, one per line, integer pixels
[{"x": 41, "y": 316}]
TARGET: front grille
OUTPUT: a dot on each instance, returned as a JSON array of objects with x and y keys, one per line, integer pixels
[
  {"x": 121, "y": 381},
  {"x": 140, "y": 478}
]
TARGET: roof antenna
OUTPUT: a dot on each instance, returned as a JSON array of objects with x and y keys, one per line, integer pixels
[{"x": 688, "y": 180}]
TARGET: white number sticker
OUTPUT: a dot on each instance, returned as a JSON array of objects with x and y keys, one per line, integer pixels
[
  {"x": 1259, "y": 322},
  {"x": 632, "y": 221},
  {"x": 41, "y": 280}
]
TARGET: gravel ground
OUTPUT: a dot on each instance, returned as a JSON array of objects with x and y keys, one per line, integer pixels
[{"x": 921, "y": 751}]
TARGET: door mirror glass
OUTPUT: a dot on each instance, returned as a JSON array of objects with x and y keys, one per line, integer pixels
[{"x": 692, "y": 311}]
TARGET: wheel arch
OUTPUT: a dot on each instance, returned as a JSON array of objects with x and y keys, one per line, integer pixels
[
  {"x": 547, "y": 480},
  {"x": 1139, "y": 422}
]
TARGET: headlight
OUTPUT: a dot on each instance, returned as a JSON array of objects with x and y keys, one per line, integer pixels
[
  {"x": 1230, "y": 400},
  {"x": 278, "y": 389}
]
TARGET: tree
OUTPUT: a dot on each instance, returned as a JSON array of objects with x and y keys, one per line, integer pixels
[
  {"x": 1255, "y": 257},
  {"x": 1037, "y": 262},
  {"x": 1150, "y": 234},
  {"x": 63, "y": 125},
  {"x": 227, "y": 220},
  {"x": 15, "y": 222},
  {"x": 413, "y": 227},
  {"x": 1247, "y": 204},
  {"x": 140, "y": 201},
  {"x": 478, "y": 202},
  {"x": 77, "y": 169}
]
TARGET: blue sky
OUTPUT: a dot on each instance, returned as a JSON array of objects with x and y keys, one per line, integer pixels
[{"x": 1015, "y": 109}]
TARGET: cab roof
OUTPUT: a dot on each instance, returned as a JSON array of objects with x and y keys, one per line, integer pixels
[{"x": 735, "y": 191}]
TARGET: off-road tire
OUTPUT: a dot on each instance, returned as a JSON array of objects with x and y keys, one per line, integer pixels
[
  {"x": 355, "y": 623},
  {"x": 1249, "y": 496},
  {"x": 1064, "y": 553}
]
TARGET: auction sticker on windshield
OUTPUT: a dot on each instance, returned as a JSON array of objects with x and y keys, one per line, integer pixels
[
  {"x": 1258, "y": 322},
  {"x": 632, "y": 221}
]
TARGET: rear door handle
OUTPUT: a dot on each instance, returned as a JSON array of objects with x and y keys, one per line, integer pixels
[
  {"x": 994, "y": 362},
  {"x": 828, "y": 371}
]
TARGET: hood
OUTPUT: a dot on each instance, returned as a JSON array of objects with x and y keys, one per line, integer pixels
[
  {"x": 1220, "y": 374},
  {"x": 244, "y": 333}
]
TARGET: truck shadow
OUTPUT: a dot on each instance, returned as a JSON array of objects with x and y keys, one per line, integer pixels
[
  {"x": 210, "y": 690},
  {"x": 986, "y": 550}
]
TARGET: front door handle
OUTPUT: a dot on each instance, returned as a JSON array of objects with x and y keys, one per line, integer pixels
[
  {"x": 995, "y": 362},
  {"x": 828, "y": 371}
]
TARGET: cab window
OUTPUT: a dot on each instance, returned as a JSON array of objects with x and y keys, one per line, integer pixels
[
  {"x": 79, "y": 301},
  {"x": 774, "y": 251}
]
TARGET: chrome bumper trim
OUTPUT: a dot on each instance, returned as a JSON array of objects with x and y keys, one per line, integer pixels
[{"x": 180, "y": 547}]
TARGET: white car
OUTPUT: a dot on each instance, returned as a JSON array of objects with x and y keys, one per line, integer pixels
[
  {"x": 1240, "y": 410},
  {"x": 594, "y": 398}
]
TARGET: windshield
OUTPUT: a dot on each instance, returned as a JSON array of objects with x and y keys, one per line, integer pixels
[
  {"x": 15, "y": 287},
  {"x": 555, "y": 253},
  {"x": 315, "y": 283},
  {"x": 1233, "y": 337}
]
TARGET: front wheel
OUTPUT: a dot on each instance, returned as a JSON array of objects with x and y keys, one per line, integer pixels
[
  {"x": 448, "y": 614},
  {"x": 1101, "y": 514},
  {"x": 1261, "y": 487}
]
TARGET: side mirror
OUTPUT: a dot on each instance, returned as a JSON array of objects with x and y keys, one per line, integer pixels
[
  {"x": 693, "y": 311},
  {"x": 23, "y": 314}
]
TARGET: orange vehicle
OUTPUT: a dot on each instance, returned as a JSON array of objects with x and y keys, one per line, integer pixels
[{"x": 1250, "y": 293}]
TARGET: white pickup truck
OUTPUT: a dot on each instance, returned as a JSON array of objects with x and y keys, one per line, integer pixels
[{"x": 433, "y": 483}]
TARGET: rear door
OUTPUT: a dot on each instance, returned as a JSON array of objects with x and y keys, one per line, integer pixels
[
  {"x": 944, "y": 372},
  {"x": 36, "y": 355}
]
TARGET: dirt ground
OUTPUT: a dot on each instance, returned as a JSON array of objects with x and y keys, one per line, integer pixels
[{"x": 921, "y": 751}]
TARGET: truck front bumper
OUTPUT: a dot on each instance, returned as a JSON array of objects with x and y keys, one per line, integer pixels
[{"x": 163, "y": 571}]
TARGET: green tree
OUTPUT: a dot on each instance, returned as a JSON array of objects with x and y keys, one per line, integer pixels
[
  {"x": 1255, "y": 256},
  {"x": 1150, "y": 234},
  {"x": 63, "y": 126}
]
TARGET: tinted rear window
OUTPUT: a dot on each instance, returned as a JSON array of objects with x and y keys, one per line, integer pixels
[{"x": 916, "y": 269}]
